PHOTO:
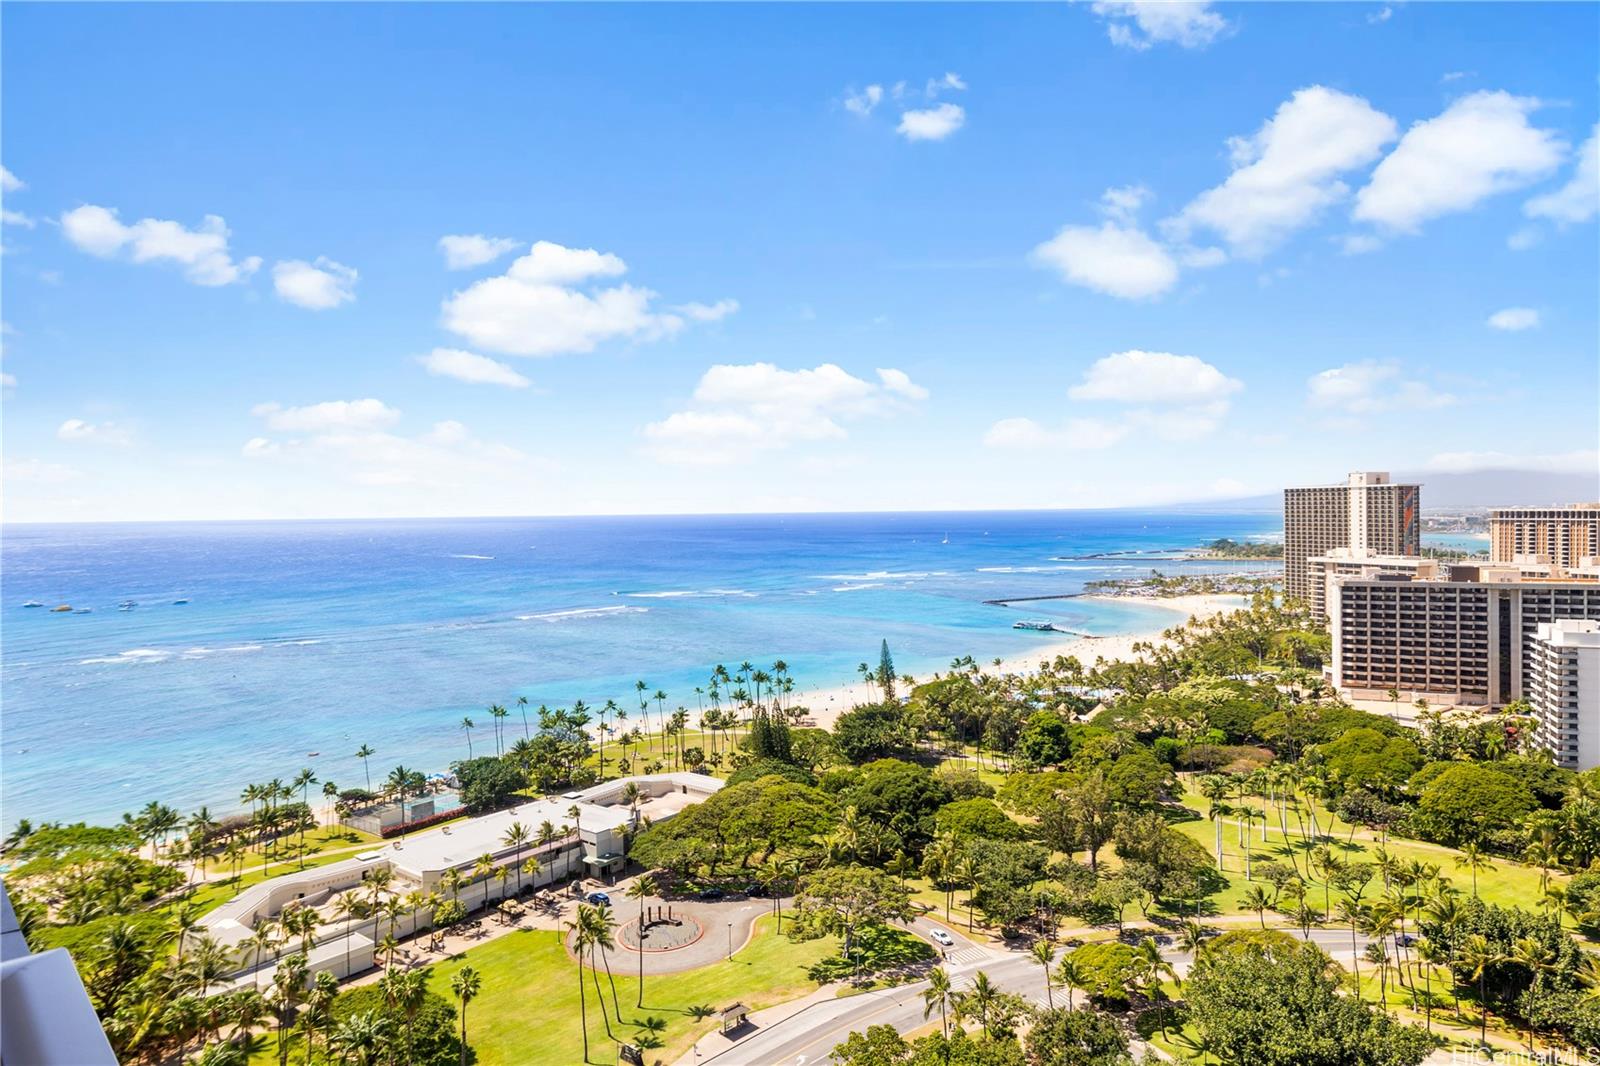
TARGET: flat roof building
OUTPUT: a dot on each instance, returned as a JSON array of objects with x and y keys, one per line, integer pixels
[
  {"x": 1367, "y": 515},
  {"x": 1564, "y": 691},
  {"x": 580, "y": 834},
  {"x": 1461, "y": 637},
  {"x": 1567, "y": 537}
]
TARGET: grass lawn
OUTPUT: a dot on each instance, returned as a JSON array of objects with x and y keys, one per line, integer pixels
[
  {"x": 1507, "y": 883},
  {"x": 327, "y": 844},
  {"x": 528, "y": 1009}
]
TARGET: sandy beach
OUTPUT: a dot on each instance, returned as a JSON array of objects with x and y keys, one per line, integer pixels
[{"x": 828, "y": 703}]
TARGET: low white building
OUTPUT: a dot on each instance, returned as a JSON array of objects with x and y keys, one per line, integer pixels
[
  {"x": 579, "y": 834},
  {"x": 1564, "y": 691}
]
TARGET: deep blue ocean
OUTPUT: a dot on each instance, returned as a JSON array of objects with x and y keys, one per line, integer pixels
[{"x": 302, "y": 637}]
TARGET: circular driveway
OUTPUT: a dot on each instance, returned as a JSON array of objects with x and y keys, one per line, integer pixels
[{"x": 723, "y": 923}]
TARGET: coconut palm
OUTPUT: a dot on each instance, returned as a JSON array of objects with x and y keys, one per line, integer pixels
[
  {"x": 580, "y": 945},
  {"x": 1044, "y": 953},
  {"x": 603, "y": 943},
  {"x": 979, "y": 1001},
  {"x": 517, "y": 837},
  {"x": 644, "y": 886},
  {"x": 1070, "y": 975},
  {"x": 1153, "y": 966},
  {"x": 1478, "y": 955},
  {"x": 361, "y": 1038},
  {"x": 1259, "y": 900},
  {"x": 1472, "y": 858},
  {"x": 365, "y": 752},
  {"x": 466, "y": 727},
  {"x": 466, "y": 985},
  {"x": 938, "y": 994}
]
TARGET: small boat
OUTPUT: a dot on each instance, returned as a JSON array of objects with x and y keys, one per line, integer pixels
[
  {"x": 65, "y": 607},
  {"x": 33, "y": 603},
  {"x": 312, "y": 754},
  {"x": 1040, "y": 626},
  {"x": 83, "y": 610},
  {"x": 179, "y": 603},
  {"x": 126, "y": 605},
  {"x": 946, "y": 539}
]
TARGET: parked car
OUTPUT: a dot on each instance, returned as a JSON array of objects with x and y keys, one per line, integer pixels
[
  {"x": 711, "y": 892},
  {"x": 942, "y": 938},
  {"x": 598, "y": 898}
]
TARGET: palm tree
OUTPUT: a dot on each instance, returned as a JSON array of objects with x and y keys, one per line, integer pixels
[
  {"x": 303, "y": 781},
  {"x": 1070, "y": 975},
  {"x": 1354, "y": 912},
  {"x": 604, "y": 942},
  {"x": 644, "y": 886},
  {"x": 262, "y": 938},
  {"x": 580, "y": 944},
  {"x": 1257, "y": 899},
  {"x": 1215, "y": 788},
  {"x": 499, "y": 714},
  {"x": 349, "y": 908},
  {"x": 938, "y": 995},
  {"x": 466, "y": 727},
  {"x": 1377, "y": 953},
  {"x": 1478, "y": 956},
  {"x": 466, "y": 984},
  {"x": 361, "y": 1037},
  {"x": 517, "y": 837},
  {"x": 1044, "y": 953},
  {"x": 1472, "y": 858},
  {"x": 365, "y": 752},
  {"x": 980, "y": 1001},
  {"x": 1154, "y": 966}
]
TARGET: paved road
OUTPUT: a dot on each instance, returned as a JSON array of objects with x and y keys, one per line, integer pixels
[{"x": 809, "y": 1037}]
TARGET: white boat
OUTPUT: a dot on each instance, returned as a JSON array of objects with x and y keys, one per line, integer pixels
[
  {"x": 1043, "y": 626},
  {"x": 33, "y": 603},
  {"x": 126, "y": 605}
]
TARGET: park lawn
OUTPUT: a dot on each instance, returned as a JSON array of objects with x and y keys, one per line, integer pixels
[
  {"x": 528, "y": 1008},
  {"x": 1506, "y": 883},
  {"x": 653, "y": 748},
  {"x": 326, "y": 845}
]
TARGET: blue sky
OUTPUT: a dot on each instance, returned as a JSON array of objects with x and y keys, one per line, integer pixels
[{"x": 787, "y": 257}]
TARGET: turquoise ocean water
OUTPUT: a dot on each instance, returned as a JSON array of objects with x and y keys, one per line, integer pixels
[{"x": 302, "y": 637}]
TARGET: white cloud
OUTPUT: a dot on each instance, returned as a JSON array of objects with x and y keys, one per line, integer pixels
[
  {"x": 37, "y": 472},
  {"x": 1123, "y": 202},
  {"x": 738, "y": 410},
  {"x": 1523, "y": 238},
  {"x": 8, "y": 381},
  {"x": 1171, "y": 397},
  {"x": 203, "y": 253},
  {"x": 1359, "y": 243},
  {"x": 1076, "y": 434},
  {"x": 1288, "y": 171},
  {"x": 16, "y": 218},
  {"x": 1383, "y": 14},
  {"x": 1577, "y": 462},
  {"x": 9, "y": 182},
  {"x": 1118, "y": 260},
  {"x": 1138, "y": 24},
  {"x": 472, "y": 368},
  {"x": 1154, "y": 378},
  {"x": 1479, "y": 146},
  {"x": 862, "y": 103},
  {"x": 900, "y": 383},
  {"x": 699, "y": 312},
  {"x": 1579, "y": 199},
  {"x": 1368, "y": 387},
  {"x": 537, "y": 307},
  {"x": 931, "y": 124},
  {"x": 77, "y": 431},
  {"x": 257, "y": 447},
  {"x": 463, "y": 252},
  {"x": 951, "y": 80},
  {"x": 327, "y": 417},
  {"x": 351, "y": 443},
  {"x": 319, "y": 286},
  {"x": 1514, "y": 319}
]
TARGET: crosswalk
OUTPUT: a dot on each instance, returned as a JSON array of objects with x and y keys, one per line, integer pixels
[{"x": 966, "y": 956}]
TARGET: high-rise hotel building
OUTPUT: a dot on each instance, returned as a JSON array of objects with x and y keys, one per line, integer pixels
[
  {"x": 1561, "y": 536},
  {"x": 1367, "y": 515},
  {"x": 1467, "y": 637}
]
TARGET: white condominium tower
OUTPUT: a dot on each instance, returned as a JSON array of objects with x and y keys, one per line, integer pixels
[
  {"x": 1367, "y": 515},
  {"x": 1564, "y": 690}
]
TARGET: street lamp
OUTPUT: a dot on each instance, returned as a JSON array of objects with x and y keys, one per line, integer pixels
[{"x": 730, "y": 940}]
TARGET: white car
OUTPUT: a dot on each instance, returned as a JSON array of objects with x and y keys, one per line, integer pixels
[{"x": 939, "y": 936}]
